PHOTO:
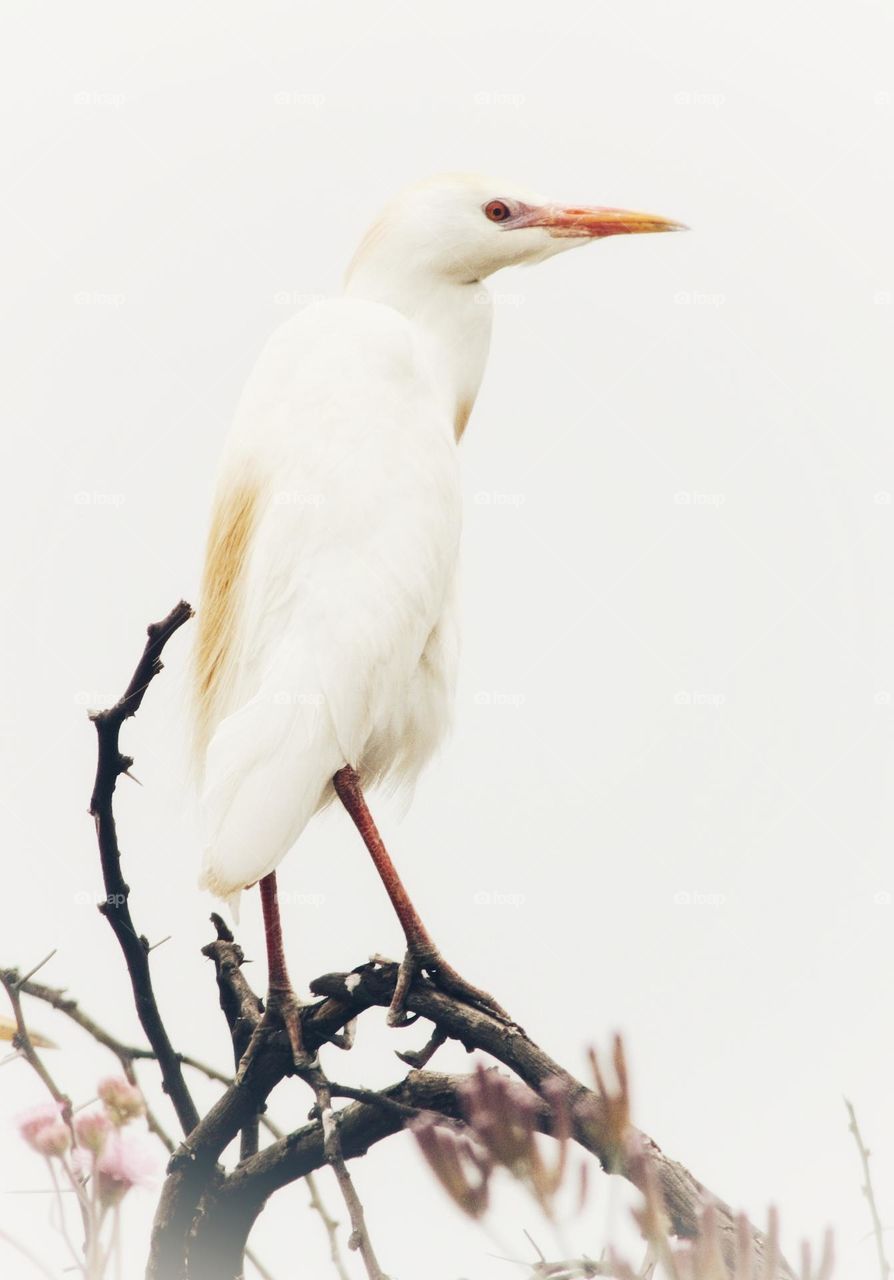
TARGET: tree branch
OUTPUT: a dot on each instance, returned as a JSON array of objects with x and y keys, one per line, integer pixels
[
  {"x": 204, "y": 1215},
  {"x": 878, "y": 1230},
  {"x": 12, "y": 985},
  {"x": 683, "y": 1195},
  {"x": 110, "y": 765},
  {"x": 318, "y": 1204},
  {"x": 330, "y": 1125},
  {"x": 229, "y": 1212},
  {"x": 192, "y": 1171}
]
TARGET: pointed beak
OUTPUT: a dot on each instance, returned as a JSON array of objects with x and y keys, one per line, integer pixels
[{"x": 596, "y": 222}]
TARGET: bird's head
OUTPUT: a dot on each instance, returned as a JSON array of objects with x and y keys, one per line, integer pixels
[{"x": 462, "y": 228}]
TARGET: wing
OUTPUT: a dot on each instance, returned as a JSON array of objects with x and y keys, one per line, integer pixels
[{"x": 332, "y": 550}]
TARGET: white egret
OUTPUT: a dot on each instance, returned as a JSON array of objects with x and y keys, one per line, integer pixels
[{"x": 327, "y": 649}]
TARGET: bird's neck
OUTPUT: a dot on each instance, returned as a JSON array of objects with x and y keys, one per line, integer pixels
[{"x": 454, "y": 323}]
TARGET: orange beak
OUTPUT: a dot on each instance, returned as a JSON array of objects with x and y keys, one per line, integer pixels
[{"x": 595, "y": 221}]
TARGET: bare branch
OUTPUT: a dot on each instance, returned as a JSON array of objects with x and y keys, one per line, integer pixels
[
  {"x": 110, "y": 765},
  {"x": 204, "y": 1216},
  {"x": 594, "y": 1123},
  {"x": 11, "y": 983},
  {"x": 332, "y": 1149},
  {"x": 877, "y": 1228},
  {"x": 318, "y": 1204}
]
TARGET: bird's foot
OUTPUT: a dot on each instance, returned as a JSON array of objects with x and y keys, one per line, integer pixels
[
  {"x": 282, "y": 1009},
  {"x": 430, "y": 961}
]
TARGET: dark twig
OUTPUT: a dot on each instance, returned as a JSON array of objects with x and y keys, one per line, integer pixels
[
  {"x": 12, "y": 983},
  {"x": 110, "y": 765},
  {"x": 60, "y": 1000},
  {"x": 375, "y": 1098},
  {"x": 329, "y": 1122},
  {"x": 241, "y": 1008},
  {"x": 331, "y": 1225},
  {"x": 877, "y": 1228}
]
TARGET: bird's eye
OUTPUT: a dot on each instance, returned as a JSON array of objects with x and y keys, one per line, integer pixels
[{"x": 497, "y": 210}]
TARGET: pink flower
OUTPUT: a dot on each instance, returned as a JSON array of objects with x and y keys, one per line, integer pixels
[
  {"x": 126, "y": 1160},
  {"x": 123, "y": 1100},
  {"x": 92, "y": 1129},
  {"x": 44, "y": 1129}
]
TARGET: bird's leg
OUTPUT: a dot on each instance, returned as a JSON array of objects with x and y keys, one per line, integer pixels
[
  {"x": 421, "y": 951},
  {"x": 281, "y": 1002}
]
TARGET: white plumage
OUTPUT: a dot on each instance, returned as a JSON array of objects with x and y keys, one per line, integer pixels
[
  {"x": 328, "y": 630},
  {"x": 344, "y": 646}
]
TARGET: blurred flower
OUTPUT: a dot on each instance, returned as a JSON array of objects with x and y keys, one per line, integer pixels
[
  {"x": 44, "y": 1129},
  {"x": 52, "y": 1139},
  {"x": 123, "y": 1100},
  {"x": 460, "y": 1166},
  {"x": 504, "y": 1116},
  {"x": 92, "y": 1128},
  {"x": 613, "y": 1107},
  {"x": 126, "y": 1160}
]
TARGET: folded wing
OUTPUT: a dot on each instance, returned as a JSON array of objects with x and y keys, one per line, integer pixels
[{"x": 331, "y": 554}]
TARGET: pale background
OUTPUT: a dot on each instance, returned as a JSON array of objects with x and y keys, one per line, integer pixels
[{"x": 667, "y": 805}]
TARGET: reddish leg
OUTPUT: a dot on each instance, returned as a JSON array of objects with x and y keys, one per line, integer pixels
[
  {"x": 421, "y": 950},
  {"x": 281, "y": 1000}
]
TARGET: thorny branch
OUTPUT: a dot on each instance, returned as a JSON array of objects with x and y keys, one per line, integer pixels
[
  {"x": 877, "y": 1229},
  {"x": 205, "y": 1214},
  {"x": 110, "y": 765}
]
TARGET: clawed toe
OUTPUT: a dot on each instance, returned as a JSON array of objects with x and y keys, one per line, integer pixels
[
  {"x": 445, "y": 978},
  {"x": 282, "y": 1009}
]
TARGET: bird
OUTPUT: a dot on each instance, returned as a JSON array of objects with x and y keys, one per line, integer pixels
[{"x": 328, "y": 632}]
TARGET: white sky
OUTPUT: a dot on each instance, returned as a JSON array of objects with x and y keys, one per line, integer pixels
[{"x": 679, "y": 620}]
